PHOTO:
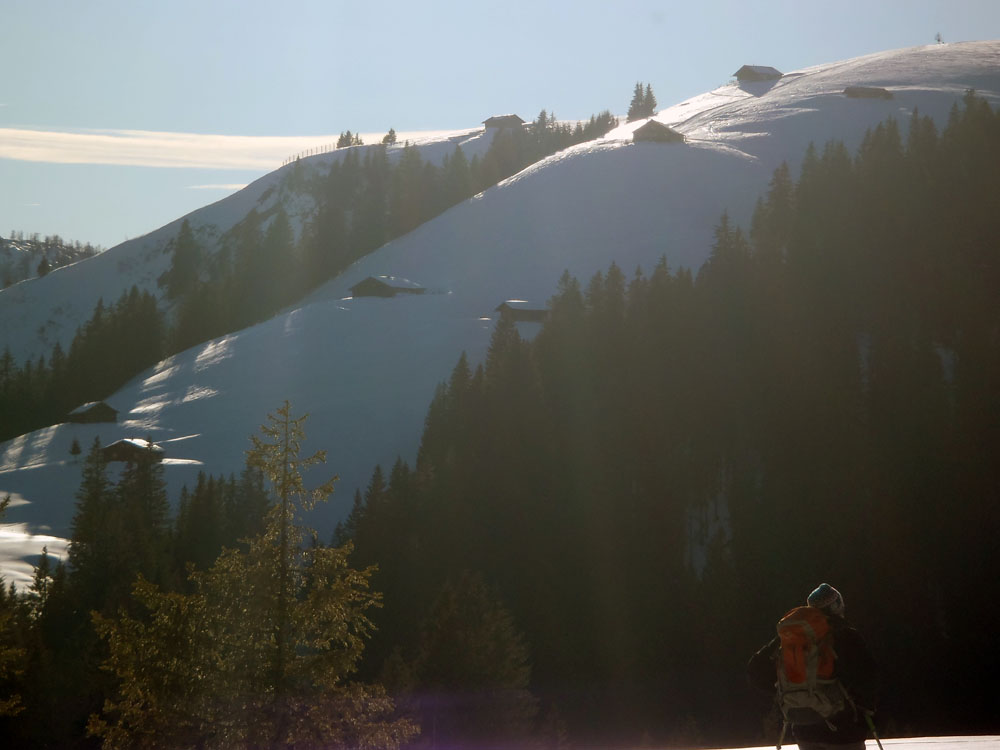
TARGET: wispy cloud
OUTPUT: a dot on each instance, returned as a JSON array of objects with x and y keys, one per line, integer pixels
[
  {"x": 142, "y": 148},
  {"x": 147, "y": 148}
]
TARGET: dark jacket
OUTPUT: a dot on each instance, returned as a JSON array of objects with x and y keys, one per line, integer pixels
[{"x": 854, "y": 667}]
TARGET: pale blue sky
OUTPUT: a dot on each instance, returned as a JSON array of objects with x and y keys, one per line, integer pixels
[{"x": 305, "y": 70}]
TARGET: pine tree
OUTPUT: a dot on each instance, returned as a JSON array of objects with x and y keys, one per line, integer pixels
[
  {"x": 472, "y": 670},
  {"x": 456, "y": 179},
  {"x": 389, "y": 138},
  {"x": 142, "y": 522},
  {"x": 200, "y": 528},
  {"x": 347, "y": 138},
  {"x": 643, "y": 103},
  {"x": 635, "y": 107},
  {"x": 648, "y": 102},
  {"x": 11, "y": 653},
  {"x": 90, "y": 555},
  {"x": 185, "y": 265}
]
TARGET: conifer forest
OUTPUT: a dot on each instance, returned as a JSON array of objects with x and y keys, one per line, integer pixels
[{"x": 604, "y": 520}]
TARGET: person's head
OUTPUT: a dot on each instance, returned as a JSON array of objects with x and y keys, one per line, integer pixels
[{"x": 828, "y": 599}]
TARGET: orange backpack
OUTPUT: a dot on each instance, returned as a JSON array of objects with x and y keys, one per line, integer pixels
[{"x": 808, "y": 690}]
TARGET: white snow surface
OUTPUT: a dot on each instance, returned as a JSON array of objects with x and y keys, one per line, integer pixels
[
  {"x": 366, "y": 369},
  {"x": 985, "y": 742}
]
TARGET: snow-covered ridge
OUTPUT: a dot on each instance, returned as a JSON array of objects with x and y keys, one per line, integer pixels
[
  {"x": 365, "y": 369},
  {"x": 36, "y": 315}
]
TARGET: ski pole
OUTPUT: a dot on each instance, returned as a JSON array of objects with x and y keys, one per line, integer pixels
[{"x": 871, "y": 725}]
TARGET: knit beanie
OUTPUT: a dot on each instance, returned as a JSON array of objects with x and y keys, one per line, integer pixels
[{"x": 827, "y": 598}]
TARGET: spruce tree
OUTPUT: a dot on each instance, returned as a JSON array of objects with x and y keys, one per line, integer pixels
[
  {"x": 472, "y": 670},
  {"x": 185, "y": 265},
  {"x": 635, "y": 107},
  {"x": 89, "y": 548},
  {"x": 648, "y": 102},
  {"x": 11, "y": 652}
]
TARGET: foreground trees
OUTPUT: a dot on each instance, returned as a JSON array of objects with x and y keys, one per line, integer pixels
[{"x": 259, "y": 653}]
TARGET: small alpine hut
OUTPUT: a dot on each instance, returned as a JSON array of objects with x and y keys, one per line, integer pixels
[
  {"x": 522, "y": 311},
  {"x": 867, "y": 92},
  {"x": 92, "y": 411},
  {"x": 503, "y": 122},
  {"x": 656, "y": 132},
  {"x": 385, "y": 286},
  {"x": 749, "y": 73},
  {"x": 132, "y": 450}
]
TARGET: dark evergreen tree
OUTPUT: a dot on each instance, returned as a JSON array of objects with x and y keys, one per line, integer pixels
[
  {"x": 91, "y": 558},
  {"x": 635, "y": 107},
  {"x": 649, "y": 102},
  {"x": 185, "y": 263},
  {"x": 643, "y": 103},
  {"x": 472, "y": 670}
]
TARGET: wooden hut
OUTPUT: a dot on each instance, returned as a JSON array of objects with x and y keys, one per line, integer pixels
[
  {"x": 757, "y": 73},
  {"x": 867, "y": 92},
  {"x": 500, "y": 122},
  {"x": 385, "y": 286},
  {"x": 92, "y": 411},
  {"x": 656, "y": 132},
  {"x": 520, "y": 310},
  {"x": 132, "y": 450}
]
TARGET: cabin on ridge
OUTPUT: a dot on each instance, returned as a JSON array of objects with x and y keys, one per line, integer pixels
[
  {"x": 385, "y": 286},
  {"x": 757, "y": 73},
  {"x": 92, "y": 411},
  {"x": 503, "y": 122},
  {"x": 520, "y": 310},
  {"x": 132, "y": 450},
  {"x": 656, "y": 132}
]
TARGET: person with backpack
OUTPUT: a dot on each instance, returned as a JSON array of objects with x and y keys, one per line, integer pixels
[{"x": 823, "y": 674}]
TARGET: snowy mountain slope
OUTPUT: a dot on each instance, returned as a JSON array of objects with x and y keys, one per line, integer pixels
[
  {"x": 366, "y": 369},
  {"x": 37, "y": 313}
]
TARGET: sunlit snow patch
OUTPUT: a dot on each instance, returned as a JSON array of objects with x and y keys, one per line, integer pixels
[
  {"x": 164, "y": 371},
  {"x": 15, "y": 499},
  {"x": 27, "y": 451},
  {"x": 214, "y": 352},
  {"x": 20, "y": 551},
  {"x": 197, "y": 393}
]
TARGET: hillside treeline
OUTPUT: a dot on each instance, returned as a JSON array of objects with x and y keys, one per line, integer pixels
[
  {"x": 364, "y": 201},
  {"x": 674, "y": 461},
  {"x": 118, "y": 342},
  {"x": 21, "y": 258}
]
